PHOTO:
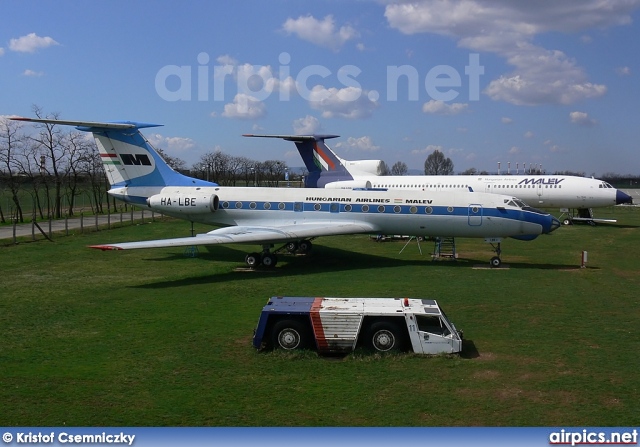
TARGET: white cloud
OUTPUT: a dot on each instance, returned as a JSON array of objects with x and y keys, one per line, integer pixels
[
  {"x": 506, "y": 120},
  {"x": 348, "y": 102},
  {"x": 225, "y": 59},
  {"x": 244, "y": 107},
  {"x": 32, "y": 74},
  {"x": 542, "y": 77},
  {"x": 623, "y": 71},
  {"x": 508, "y": 28},
  {"x": 1, "y": 51},
  {"x": 173, "y": 145},
  {"x": 361, "y": 144},
  {"x": 582, "y": 119},
  {"x": 30, "y": 43},
  {"x": 514, "y": 150},
  {"x": 306, "y": 126},
  {"x": 427, "y": 150},
  {"x": 435, "y": 107},
  {"x": 254, "y": 80},
  {"x": 529, "y": 134},
  {"x": 320, "y": 32}
]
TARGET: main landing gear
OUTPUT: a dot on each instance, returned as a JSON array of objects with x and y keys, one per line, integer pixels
[{"x": 269, "y": 259}]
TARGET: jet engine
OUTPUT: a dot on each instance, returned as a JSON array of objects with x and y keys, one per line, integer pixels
[
  {"x": 363, "y": 167},
  {"x": 184, "y": 203}
]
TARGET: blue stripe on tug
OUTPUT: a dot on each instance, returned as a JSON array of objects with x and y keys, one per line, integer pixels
[{"x": 284, "y": 306}]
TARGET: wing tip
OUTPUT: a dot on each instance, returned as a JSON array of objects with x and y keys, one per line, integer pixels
[{"x": 105, "y": 247}]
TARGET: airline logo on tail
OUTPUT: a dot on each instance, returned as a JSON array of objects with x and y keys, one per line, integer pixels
[
  {"x": 127, "y": 159},
  {"x": 127, "y": 156},
  {"x": 321, "y": 159}
]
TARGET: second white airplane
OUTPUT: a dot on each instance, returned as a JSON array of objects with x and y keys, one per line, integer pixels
[
  {"x": 327, "y": 170},
  {"x": 294, "y": 216}
]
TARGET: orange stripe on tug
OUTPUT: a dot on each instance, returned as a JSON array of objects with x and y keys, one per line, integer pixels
[{"x": 316, "y": 324}]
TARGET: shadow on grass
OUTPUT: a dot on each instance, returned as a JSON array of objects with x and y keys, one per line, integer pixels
[
  {"x": 469, "y": 350},
  {"x": 323, "y": 259}
]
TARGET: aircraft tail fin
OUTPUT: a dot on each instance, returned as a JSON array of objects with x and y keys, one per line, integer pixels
[
  {"x": 127, "y": 156},
  {"x": 323, "y": 164}
]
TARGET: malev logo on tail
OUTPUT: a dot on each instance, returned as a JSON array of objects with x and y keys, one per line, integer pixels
[
  {"x": 117, "y": 155},
  {"x": 138, "y": 163},
  {"x": 136, "y": 159}
]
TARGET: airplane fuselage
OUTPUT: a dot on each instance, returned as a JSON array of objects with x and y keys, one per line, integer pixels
[
  {"x": 419, "y": 213},
  {"x": 553, "y": 191}
]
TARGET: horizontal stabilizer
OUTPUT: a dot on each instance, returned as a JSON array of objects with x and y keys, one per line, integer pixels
[
  {"x": 294, "y": 137},
  {"x": 86, "y": 125}
]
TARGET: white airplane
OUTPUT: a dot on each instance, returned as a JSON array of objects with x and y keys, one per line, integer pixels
[
  {"x": 327, "y": 170},
  {"x": 294, "y": 216}
]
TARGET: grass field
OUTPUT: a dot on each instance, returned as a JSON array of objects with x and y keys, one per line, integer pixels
[{"x": 155, "y": 338}]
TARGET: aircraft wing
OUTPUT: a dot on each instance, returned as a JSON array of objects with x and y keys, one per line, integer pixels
[{"x": 254, "y": 234}]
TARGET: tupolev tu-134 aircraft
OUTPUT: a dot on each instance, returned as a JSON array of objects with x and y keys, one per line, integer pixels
[
  {"x": 294, "y": 216},
  {"x": 328, "y": 170}
]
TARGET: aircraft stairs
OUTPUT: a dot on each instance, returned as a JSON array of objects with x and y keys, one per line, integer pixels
[
  {"x": 585, "y": 213},
  {"x": 445, "y": 247}
]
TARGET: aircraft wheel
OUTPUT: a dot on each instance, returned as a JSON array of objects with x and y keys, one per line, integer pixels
[
  {"x": 289, "y": 334},
  {"x": 304, "y": 246},
  {"x": 567, "y": 221},
  {"x": 291, "y": 247},
  {"x": 252, "y": 259},
  {"x": 269, "y": 260},
  {"x": 385, "y": 337},
  {"x": 495, "y": 261}
]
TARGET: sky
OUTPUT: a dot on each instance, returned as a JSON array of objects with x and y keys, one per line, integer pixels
[{"x": 547, "y": 83}]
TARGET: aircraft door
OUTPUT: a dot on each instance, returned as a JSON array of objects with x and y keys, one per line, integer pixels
[
  {"x": 539, "y": 188},
  {"x": 475, "y": 215}
]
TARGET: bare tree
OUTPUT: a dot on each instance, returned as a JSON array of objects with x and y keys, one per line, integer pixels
[
  {"x": 437, "y": 164},
  {"x": 273, "y": 171},
  {"x": 399, "y": 168},
  {"x": 235, "y": 167},
  {"x": 79, "y": 154},
  {"x": 217, "y": 165},
  {"x": 175, "y": 163},
  {"x": 50, "y": 143},
  {"x": 10, "y": 140},
  {"x": 383, "y": 169}
]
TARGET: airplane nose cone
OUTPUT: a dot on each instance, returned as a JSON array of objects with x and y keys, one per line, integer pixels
[
  {"x": 622, "y": 197},
  {"x": 555, "y": 224}
]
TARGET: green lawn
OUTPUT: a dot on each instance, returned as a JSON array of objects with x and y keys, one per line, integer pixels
[{"x": 155, "y": 338}]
